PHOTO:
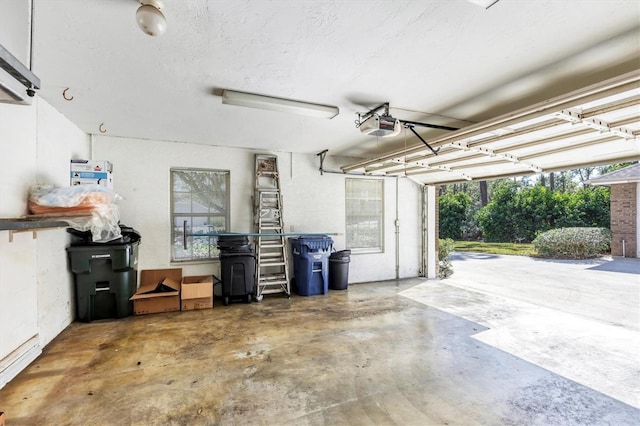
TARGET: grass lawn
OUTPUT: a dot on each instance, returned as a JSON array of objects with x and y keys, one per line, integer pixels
[{"x": 519, "y": 249}]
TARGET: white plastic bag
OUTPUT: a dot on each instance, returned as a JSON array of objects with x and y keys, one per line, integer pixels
[{"x": 84, "y": 207}]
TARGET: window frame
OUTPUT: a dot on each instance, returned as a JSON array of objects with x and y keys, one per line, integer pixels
[
  {"x": 173, "y": 215},
  {"x": 371, "y": 249}
]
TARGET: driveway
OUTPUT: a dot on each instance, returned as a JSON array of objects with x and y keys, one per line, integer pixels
[{"x": 578, "y": 319}]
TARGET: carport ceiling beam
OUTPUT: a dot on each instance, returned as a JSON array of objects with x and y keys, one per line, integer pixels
[
  {"x": 411, "y": 168},
  {"x": 629, "y": 102},
  {"x": 592, "y": 163},
  {"x": 595, "y": 123},
  {"x": 436, "y": 164},
  {"x": 488, "y": 152},
  {"x": 549, "y": 140},
  {"x": 547, "y": 124},
  {"x": 395, "y": 154},
  {"x": 428, "y": 169},
  {"x": 492, "y": 177},
  {"x": 569, "y": 147},
  {"x": 483, "y": 164}
]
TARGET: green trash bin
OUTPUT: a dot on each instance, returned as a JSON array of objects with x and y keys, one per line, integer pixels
[{"x": 105, "y": 277}]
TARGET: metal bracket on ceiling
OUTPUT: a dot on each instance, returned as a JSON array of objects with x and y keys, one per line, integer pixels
[
  {"x": 595, "y": 123},
  {"x": 450, "y": 170},
  {"x": 363, "y": 117},
  {"x": 322, "y": 154}
]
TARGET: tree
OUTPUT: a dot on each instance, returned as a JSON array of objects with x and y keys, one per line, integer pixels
[
  {"x": 613, "y": 167},
  {"x": 454, "y": 209},
  {"x": 484, "y": 193},
  {"x": 584, "y": 173},
  {"x": 496, "y": 218}
]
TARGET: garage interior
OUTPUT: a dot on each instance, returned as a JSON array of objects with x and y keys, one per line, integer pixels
[{"x": 479, "y": 90}]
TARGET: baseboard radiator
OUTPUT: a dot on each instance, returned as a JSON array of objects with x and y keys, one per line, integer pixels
[{"x": 19, "y": 359}]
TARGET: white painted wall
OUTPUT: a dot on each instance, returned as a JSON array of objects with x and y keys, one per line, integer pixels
[
  {"x": 36, "y": 143},
  {"x": 36, "y": 289},
  {"x": 312, "y": 203},
  {"x": 58, "y": 141},
  {"x": 15, "y": 20}
]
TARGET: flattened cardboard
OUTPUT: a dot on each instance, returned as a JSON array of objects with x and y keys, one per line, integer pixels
[
  {"x": 202, "y": 303},
  {"x": 159, "y": 291},
  {"x": 197, "y": 287}
]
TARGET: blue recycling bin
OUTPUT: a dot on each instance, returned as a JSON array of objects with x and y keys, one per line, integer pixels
[{"x": 311, "y": 263}]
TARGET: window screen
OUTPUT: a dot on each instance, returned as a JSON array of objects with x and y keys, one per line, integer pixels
[
  {"x": 199, "y": 206},
  {"x": 364, "y": 208}
]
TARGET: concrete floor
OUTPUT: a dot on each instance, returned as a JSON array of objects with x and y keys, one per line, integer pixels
[
  {"x": 579, "y": 319},
  {"x": 365, "y": 356}
]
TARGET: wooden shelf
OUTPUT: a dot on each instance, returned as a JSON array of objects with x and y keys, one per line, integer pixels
[{"x": 36, "y": 223}]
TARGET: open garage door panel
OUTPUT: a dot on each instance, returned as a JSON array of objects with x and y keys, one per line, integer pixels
[{"x": 597, "y": 125}]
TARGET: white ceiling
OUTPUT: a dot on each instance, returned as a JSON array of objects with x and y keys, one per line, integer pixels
[{"x": 443, "y": 62}]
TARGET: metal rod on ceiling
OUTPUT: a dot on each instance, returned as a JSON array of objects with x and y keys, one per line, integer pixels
[
  {"x": 431, "y": 126},
  {"x": 364, "y": 117},
  {"x": 410, "y": 127}
]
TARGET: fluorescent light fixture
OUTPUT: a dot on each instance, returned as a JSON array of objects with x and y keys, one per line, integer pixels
[{"x": 231, "y": 97}]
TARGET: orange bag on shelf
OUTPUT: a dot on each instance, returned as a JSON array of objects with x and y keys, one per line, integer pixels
[{"x": 85, "y": 207}]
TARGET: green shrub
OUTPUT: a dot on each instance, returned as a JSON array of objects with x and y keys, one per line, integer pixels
[
  {"x": 454, "y": 209},
  {"x": 496, "y": 218},
  {"x": 534, "y": 211},
  {"x": 573, "y": 243},
  {"x": 586, "y": 207},
  {"x": 445, "y": 247}
]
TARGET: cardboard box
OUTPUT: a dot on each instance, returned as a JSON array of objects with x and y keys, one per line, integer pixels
[
  {"x": 88, "y": 172},
  {"x": 197, "y": 292},
  {"x": 91, "y": 166},
  {"x": 203, "y": 303},
  {"x": 159, "y": 291}
]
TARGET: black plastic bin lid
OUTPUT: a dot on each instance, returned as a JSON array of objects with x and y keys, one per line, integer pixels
[
  {"x": 233, "y": 242},
  {"x": 343, "y": 254}
]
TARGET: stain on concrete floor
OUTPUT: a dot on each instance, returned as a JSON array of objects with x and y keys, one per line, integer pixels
[{"x": 362, "y": 356}]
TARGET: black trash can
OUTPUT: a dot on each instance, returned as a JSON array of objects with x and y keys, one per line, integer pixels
[
  {"x": 339, "y": 269},
  {"x": 237, "y": 268},
  {"x": 105, "y": 274}
]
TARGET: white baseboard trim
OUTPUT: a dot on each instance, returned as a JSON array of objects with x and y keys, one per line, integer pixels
[{"x": 19, "y": 359}]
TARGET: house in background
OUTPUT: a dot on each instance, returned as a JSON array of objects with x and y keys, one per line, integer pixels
[{"x": 625, "y": 203}]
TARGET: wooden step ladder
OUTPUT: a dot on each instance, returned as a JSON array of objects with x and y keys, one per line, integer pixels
[{"x": 272, "y": 269}]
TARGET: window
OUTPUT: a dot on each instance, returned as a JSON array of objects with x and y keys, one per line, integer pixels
[
  {"x": 364, "y": 207},
  {"x": 199, "y": 206}
]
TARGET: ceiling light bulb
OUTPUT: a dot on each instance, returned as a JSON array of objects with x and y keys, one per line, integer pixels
[{"x": 150, "y": 19}]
